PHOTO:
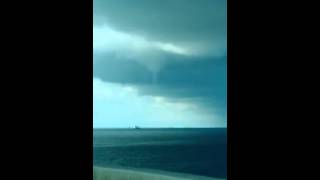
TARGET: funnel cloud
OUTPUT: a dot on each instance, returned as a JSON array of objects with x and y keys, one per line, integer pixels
[{"x": 163, "y": 63}]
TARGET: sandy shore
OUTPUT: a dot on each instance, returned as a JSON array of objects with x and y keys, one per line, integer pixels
[{"x": 122, "y": 174}]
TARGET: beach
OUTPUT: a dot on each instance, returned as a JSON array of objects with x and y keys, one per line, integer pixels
[{"x": 102, "y": 173}]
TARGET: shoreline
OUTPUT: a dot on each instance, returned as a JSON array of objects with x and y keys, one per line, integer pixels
[{"x": 108, "y": 173}]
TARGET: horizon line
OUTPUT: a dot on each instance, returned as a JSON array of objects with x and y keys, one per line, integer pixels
[{"x": 157, "y": 127}]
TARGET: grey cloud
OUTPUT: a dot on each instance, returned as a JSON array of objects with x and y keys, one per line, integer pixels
[
  {"x": 203, "y": 80},
  {"x": 196, "y": 23}
]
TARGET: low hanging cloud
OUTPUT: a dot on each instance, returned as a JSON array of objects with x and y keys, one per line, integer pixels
[{"x": 122, "y": 106}]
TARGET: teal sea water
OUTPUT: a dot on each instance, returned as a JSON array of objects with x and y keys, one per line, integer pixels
[{"x": 192, "y": 151}]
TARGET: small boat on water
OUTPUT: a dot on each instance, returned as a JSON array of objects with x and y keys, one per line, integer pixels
[{"x": 137, "y": 127}]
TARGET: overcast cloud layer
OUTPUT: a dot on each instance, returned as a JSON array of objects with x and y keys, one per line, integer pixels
[{"x": 164, "y": 62}]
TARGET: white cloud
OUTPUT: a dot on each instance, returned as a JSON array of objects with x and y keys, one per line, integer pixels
[
  {"x": 121, "y": 106},
  {"x": 128, "y": 46},
  {"x": 106, "y": 39}
]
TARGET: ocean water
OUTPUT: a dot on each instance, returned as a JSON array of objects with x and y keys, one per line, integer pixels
[{"x": 192, "y": 151}]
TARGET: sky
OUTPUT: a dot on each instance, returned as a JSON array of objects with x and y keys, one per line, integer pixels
[{"x": 159, "y": 63}]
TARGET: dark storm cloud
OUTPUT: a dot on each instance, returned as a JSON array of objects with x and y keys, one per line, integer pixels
[
  {"x": 197, "y": 23},
  {"x": 124, "y": 71},
  {"x": 199, "y": 26},
  {"x": 201, "y": 80}
]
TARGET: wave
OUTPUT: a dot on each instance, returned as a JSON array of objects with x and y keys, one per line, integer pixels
[{"x": 103, "y": 173}]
